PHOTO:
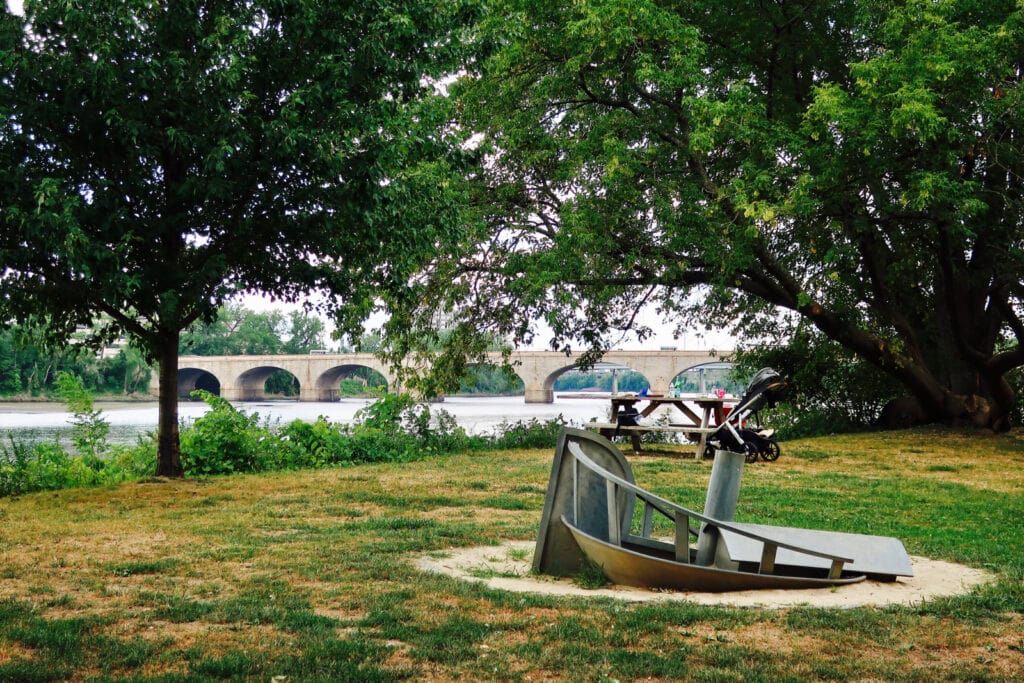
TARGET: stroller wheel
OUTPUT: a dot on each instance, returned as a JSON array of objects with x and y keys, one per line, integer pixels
[
  {"x": 750, "y": 450},
  {"x": 771, "y": 452}
]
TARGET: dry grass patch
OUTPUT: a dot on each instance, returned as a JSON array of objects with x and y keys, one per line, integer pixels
[{"x": 308, "y": 574}]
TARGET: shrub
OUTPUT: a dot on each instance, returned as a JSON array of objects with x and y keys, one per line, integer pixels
[
  {"x": 135, "y": 462},
  {"x": 828, "y": 389},
  {"x": 46, "y": 466},
  {"x": 316, "y": 444},
  {"x": 40, "y": 467},
  {"x": 226, "y": 440},
  {"x": 532, "y": 433},
  {"x": 396, "y": 413},
  {"x": 89, "y": 430}
]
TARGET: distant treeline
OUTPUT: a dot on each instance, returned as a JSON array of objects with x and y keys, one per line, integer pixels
[{"x": 30, "y": 370}]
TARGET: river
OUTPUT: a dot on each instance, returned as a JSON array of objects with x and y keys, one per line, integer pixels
[{"x": 477, "y": 415}]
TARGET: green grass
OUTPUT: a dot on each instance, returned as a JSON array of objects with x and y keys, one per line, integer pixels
[{"x": 309, "y": 575}]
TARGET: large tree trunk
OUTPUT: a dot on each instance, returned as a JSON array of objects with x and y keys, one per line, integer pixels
[
  {"x": 168, "y": 457},
  {"x": 959, "y": 395},
  {"x": 943, "y": 386}
]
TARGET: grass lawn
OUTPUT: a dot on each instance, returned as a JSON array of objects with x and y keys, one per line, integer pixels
[{"x": 307, "y": 576}]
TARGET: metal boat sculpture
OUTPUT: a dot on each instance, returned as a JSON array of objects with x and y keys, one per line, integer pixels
[{"x": 593, "y": 507}]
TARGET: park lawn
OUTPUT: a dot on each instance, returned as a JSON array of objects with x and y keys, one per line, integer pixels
[{"x": 309, "y": 575}]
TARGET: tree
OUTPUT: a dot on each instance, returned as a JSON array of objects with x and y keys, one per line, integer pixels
[
  {"x": 157, "y": 158},
  {"x": 854, "y": 164},
  {"x": 127, "y": 372},
  {"x": 10, "y": 377},
  {"x": 305, "y": 333}
]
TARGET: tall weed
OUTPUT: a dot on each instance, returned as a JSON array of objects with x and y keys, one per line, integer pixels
[
  {"x": 89, "y": 430},
  {"x": 46, "y": 466}
]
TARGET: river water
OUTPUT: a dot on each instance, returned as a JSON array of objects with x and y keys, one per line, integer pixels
[{"x": 477, "y": 415}]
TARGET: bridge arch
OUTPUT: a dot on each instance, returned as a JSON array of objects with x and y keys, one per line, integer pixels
[
  {"x": 705, "y": 377},
  {"x": 614, "y": 369},
  {"x": 329, "y": 381},
  {"x": 251, "y": 384},
  {"x": 192, "y": 379}
]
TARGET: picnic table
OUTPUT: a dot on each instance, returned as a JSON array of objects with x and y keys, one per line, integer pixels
[{"x": 694, "y": 416}]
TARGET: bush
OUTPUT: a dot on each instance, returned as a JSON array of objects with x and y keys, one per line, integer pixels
[
  {"x": 226, "y": 440},
  {"x": 316, "y": 444},
  {"x": 396, "y": 413},
  {"x": 46, "y": 466},
  {"x": 394, "y": 428},
  {"x": 828, "y": 389},
  {"x": 532, "y": 433}
]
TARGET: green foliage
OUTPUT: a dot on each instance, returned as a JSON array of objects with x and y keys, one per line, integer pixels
[
  {"x": 491, "y": 381},
  {"x": 46, "y": 466},
  {"x": 205, "y": 149},
  {"x": 532, "y": 433},
  {"x": 854, "y": 164},
  {"x": 828, "y": 389},
  {"x": 29, "y": 368},
  {"x": 225, "y": 440},
  {"x": 88, "y": 428},
  {"x": 590, "y": 576},
  {"x": 237, "y": 330},
  {"x": 393, "y": 428},
  {"x": 316, "y": 444},
  {"x": 396, "y": 413}
]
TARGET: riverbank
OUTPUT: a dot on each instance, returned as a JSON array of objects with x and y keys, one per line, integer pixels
[
  {"x": 13, "y": 402},
  {"x": 477, "y": 415}
]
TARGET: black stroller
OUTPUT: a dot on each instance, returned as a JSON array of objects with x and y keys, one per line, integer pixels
[{"x": 765, "y": 389}]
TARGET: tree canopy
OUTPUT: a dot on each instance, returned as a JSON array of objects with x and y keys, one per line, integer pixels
[
  {"x": 157, "y": 158},
  {"x": 853, "y": 164},
  {"x": 237, "y": 330}
]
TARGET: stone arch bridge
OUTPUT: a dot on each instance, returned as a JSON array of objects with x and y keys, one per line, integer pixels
[{"x": 241, "y": 378}]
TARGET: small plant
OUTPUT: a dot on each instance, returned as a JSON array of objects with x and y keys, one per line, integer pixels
[
  {"x": 590, "y": 576},
  {"x": 519, "y": 554},
  {"x": 89, "y": 430},
  {"x": 524, "y": 434}
]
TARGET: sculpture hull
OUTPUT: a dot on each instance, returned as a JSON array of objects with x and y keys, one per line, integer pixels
[{"x": 646, "y": 568}]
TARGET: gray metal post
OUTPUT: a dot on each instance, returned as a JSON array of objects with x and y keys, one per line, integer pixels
[{"x": 723, "y": 493}]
